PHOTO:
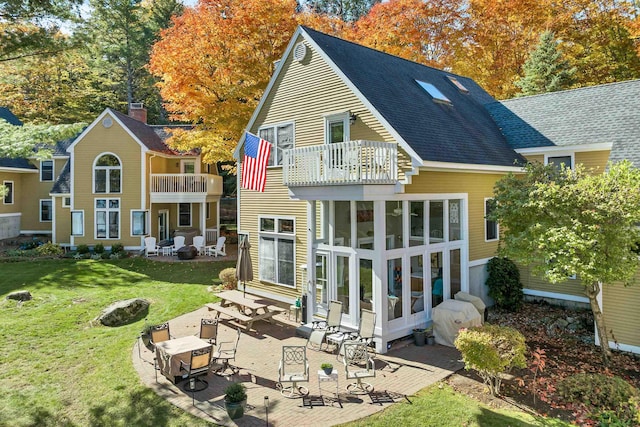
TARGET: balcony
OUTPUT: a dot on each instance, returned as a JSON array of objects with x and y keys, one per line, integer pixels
[
  {"x": 184, "y": 188},
  {"x": 346, "y": 163}
]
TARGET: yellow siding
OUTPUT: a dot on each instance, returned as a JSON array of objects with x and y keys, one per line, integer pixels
[
  {"x": 62, "y": 222},
  {"x": 18, "y": 189},
  {"x": 33, "y": 190},
  {"x": 620, "y": 308},
  {"x": 596, "y": 160},
  {"x": 117, "y": 141},
  {"x": 477, "y": 186},
  {"x": 570, "y": 287}
]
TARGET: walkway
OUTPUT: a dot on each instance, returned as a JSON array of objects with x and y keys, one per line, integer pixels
[{"x": 404, "y": 370}]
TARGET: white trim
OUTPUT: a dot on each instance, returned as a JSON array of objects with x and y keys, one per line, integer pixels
[
  {"x": 275, "y": 145},
  {"x": 335, "y": 118},
  {"x": 479, "y": 262},
  {"x": 107, "y": 210},
  {"x": 9, "y": 215},
  {"x": 624, "y": 347},
  {"x": 276, "y": 235},
  {"x": 603, "y": 146},
  {"x": 40, "y": 210},
  {"x": 570, "y": 154},
  {"x": 107, "y": 177},
  {"x": 18, "y": 170},
  {"x": 555, "y": 295},
  {"x": 64, "y": 197},
  {"x": 13, "y": 192},
  {"x": 53, "y": 170},
  {"x": 83, "y": 224},
  {"x": 35, "y": 231},
  {"x": 146, "y": 221},
  {"x": 486, "y": 221},
  {"x": 468, "y": 167}
]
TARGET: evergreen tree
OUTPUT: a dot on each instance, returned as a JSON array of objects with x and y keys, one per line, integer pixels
[{"x": 545, "y": 70}]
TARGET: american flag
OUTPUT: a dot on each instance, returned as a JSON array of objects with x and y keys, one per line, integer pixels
[{"x": 254, "y": 167}]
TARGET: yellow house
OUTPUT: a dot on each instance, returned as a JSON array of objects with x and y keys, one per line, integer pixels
[
  {"x": 116, "y": 182},
  {"x": 379, "y": 178}
]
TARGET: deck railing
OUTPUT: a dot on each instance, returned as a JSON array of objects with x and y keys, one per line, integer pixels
[
  {"x": 352, "y": 162},
  {"x": 186, "y": 183}
]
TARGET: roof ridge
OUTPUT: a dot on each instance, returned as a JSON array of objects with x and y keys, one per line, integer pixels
[{"x": 569, "y": 90}]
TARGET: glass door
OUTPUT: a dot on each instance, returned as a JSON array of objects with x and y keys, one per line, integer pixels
[{"x": 163, "y": 224}]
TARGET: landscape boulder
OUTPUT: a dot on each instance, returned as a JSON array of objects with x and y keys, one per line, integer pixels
[
  {"x": 187, "y": 252},
  {"x": 20, "y": 295},
  {"x": 123, "y": 312}
]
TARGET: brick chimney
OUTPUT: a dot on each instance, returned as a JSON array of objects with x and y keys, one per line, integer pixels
[{"x": 138, "y": 112}]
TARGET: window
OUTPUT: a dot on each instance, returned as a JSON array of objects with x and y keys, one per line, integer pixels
[
  {"x": 558, "y": 161},
  {"x": 107, "y": 218},
  {"x": 66, "y": 202},
  {"x": 46, "y": 170},
  {"x": 490, "y": 226},
  {"x": 8, "y": 197},
  {"x": 434, "y": 92},
  {"x": 276, "y": 250},
  {"x": 107, "y": 173},
  {"x": 188, "y": 166},
  {"x": 281, "y": 138},
  {"x": 208, "y": 210},
  {"x": 46, "y": 213},
  {"x": 184, "y": 215},
  {"x": 77, "y": 223},
  {"x": 139, "y": 223},
  {"x": 457, "y": 84}
]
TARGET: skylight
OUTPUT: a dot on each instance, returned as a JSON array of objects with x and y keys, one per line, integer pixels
[
  {"x": 434, "y": 92},
  {"x": 457, "y": 84}
]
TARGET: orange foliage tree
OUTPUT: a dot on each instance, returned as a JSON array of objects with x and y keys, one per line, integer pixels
[{"x": 214, "y": 64}]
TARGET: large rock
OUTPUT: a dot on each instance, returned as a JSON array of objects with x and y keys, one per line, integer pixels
[
  {"x": 187, "y": 252},
  {"x": 123, "y": 312},
  {"x": 20, "y": 295}
]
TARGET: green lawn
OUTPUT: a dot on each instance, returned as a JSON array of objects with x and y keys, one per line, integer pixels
[{"x": 59, "y": 369}]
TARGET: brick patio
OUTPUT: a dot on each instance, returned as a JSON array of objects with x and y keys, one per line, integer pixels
[{"x": 404, "y": 370}]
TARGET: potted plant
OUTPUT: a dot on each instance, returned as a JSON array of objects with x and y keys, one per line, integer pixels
[
  {"x": 327, "y": 368},
  {"x": 419, "y": 335},
  {"x": 235, "y": 399}
]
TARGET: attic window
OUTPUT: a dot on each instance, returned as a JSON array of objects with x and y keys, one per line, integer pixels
[
  {"x": 434, "y": 92},
  {"x": 457, "y": 84}
]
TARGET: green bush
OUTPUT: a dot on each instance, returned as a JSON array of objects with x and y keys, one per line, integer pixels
[
  {"x": 612, "y": 399},
  {"x": 235, "y": 393},
  {"x": 504, "y": 283},
  {"x": 49, "y": 249},
  {"x": 492, "y": 351},
  {"x": 228, "y": 278},
  {"x": 99, "y": 248},
  {"x": 116, "y": 248},
  {"x": 83, "y": 249}
]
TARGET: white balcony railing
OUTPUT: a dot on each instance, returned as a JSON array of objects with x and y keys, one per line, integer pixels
[
  {"x": 352, "y": 162},
  {"x": 186, "y": 183}
]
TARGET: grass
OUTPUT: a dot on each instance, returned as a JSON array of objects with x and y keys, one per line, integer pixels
[{"x": 59, "y": 368}]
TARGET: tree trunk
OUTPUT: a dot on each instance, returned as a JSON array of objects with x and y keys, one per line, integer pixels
[{"x": 592, "y": 292}]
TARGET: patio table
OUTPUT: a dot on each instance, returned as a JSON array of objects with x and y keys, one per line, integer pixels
[{"x": 169, "y": 354}]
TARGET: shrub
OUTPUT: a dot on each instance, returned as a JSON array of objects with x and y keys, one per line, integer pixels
[
  {"x": 49, "y": 249},
  {"x": 99, "y": 248},
  {"x": 117, "y": 248},
  {"x": 492, "y": 351},
  {"x": 504, "y": 283},
  {"x": 235, "y": 393},
  {"x": 228, "y": 278},
  {"x": 82, "y": 249},
  {"x": 606, "y": 395}
]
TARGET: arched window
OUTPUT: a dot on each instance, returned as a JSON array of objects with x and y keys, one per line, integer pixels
[{"x": 107, "y": 174}]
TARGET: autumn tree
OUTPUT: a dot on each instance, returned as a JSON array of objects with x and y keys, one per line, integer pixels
[
  {"x": 346, "y": 10},
  {"x": 565, "y": 222},
  {"x": 217, "y": 81},
  {"x": 545, "y": 70},
  {"x": 425, "y": 32}
]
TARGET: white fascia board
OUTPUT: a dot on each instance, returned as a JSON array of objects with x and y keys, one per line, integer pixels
[
  {"x": 18, "y": 170},
  {"x": 98, "y": 120},
  {"x": 468, "y": 167},
  {"x": 267, "y": 91},
  {"x": 555, "y": 148}
]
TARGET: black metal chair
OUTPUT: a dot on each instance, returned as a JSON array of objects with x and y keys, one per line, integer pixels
[
  {"x": 209, "y": 330},
  {"x": 197, "y": 367},
  {"x": 158, "y": 334}
]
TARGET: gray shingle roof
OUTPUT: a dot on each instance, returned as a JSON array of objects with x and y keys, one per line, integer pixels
[
  {"x": 463, "y": 132},
  {"x": 608, "y": 113},
  {"x": 6, "y": 114},
  {"x": 63, "y": 182}
]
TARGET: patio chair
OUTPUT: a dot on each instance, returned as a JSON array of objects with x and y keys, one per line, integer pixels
[
  {"x": 225, "y": 352},
  {"x": 358, "y": 364},
  {"x": 321, "y": 328},
  {"x": 197, "y": 367},
  {"x": 157, "y": 334},
  {"x": 178, "y": 242},
  {"x": 293, "y": 368},
  {"x": 198, "y": 243},
  {"x": 365, "y": 333},
  {"x": 209, "y": 330},
  {"x": 150, "y": 246},
  {"x": 218, "y": 248}
]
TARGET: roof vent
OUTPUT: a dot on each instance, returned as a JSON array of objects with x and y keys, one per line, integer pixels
[{"x": 299, "y": 52}]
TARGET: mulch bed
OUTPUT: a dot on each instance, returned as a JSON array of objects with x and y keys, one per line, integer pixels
[{"x": 568, "y": 350}]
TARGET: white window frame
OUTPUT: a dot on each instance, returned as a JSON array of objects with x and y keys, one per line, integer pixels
[
  {"x": 571, "y": 154},
  {"x": 486, "y": 239},
  {"x": 107, "y": 169},
  {"x": 107, "y": 210},
  {"x": 9, "y": 193},
  {"x": 145, "y": 226},
  {"x": 275, "y": 145},
  {"x": 276, "y": 235},
  {"x": 185, "y": 162},
  {"x": 180, "y": 224},
  {"x": 333, "y": 118},
  {"x": 50, "y": 210},
  {"x": 42, "y": 162},
  {"x": 66, "y": 201},
  {"x": 81, "y": 213}
]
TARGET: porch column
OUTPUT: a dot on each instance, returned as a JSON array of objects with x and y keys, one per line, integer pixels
[
  {"x": 311, "y": 261},
  {"x": 380, "y": 286},
  {"x": 203, "y": 220}
]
